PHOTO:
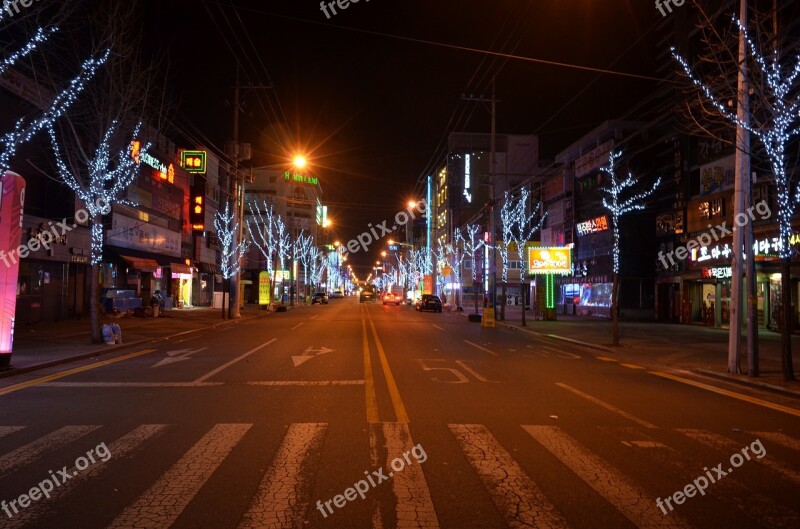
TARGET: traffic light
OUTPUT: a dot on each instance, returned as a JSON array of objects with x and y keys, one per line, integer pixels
[{"x": 197, "y": 210}]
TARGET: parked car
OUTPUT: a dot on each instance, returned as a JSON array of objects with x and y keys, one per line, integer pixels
[
  {"x": 336, "y": 294},
  {"x": 391, "y": 298},
  {"x": 367, "y": 295},
  {"x": 319, "y": 297},
  {"x": 429, "y": 302}
]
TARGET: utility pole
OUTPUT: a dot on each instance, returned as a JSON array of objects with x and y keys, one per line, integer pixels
[
  {"x": 752, "y": 283},
  {"x": 741, "y": 188},
  {"x": 236, "y": 190},
  {"x": 492, "y": 272}
]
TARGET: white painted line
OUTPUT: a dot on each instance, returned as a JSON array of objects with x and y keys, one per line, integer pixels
[
  {"x": 284, "y": 493},
  {"x": 164, "y": 502},
  {"x": 751, "y": 503},
  {"x": 8, "y": 430},
  {"x": 607, "y": 406},
  {"x": 414, "y": 507},
  {"x": 517, "y": 497},
  {"x": 472, "y": 372},
  {"x": 438, "y": 327},
  {"x": 119, "y": 449},
  {"x": 298, "y": 325},
  {"x": 730, "y": 447},
  {"x": 485, "y": 350},
  {"x": 228, "y": 364},
  {"x": 306, "y": 383},
  {"x": 562, "y": 354},
  {"x": 314, "y": 316},
  {"x": 131, "y": 384},
  {"x": 629, "y": 499},
  {"x": 374, "y": 460},
  {"x": 27, "y": 454},
  {"x": 779, "y": 438}
]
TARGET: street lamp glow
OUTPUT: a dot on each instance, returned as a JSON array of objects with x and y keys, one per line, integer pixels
[{"x": 300, "y": 161}]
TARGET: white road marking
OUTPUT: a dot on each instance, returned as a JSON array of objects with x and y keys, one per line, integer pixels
[
  {"x": 121, "y": 448},
  {"x": 438, "y": 327},
  {"x": 164, "y": 502},
  {"x": 607, "y": 406},
  {"x": 8, "y": 430},
  {"x": 414, "y": 505},
  {"x": 485, "y": 350},
  {"x": 730, "y": 446},
  {"x": 314, "y": 316},
  {"x": 178, "y": 356},
  {"x": 472, "y": 372},
  {"x": 377, "y": 516},
  {"x": 25, "y": 455},
  {"x": 629, "y": 499},
  {"x": 284, "y": 493},
  {"x": 518, "y": 498},
  {"x": 298, "y": 325},
  {"x": 228, "y": 364},
  {"x": 306, "y": 383},
  {"x": 751, "y": 503},
  {"x": 779, "y": 438},
  {"x": 562, "y": 354}
]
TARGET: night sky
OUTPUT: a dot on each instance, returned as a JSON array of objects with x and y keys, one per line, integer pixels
[{"x": 370, "y": 102}]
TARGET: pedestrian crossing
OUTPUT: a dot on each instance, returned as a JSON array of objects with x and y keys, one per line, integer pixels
[{"x": 514, "y": 470}]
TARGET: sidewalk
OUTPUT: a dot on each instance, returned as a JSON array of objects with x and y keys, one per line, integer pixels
[
  {"x": 695, "y": 348},
  {"x": 45, "y": 344}
]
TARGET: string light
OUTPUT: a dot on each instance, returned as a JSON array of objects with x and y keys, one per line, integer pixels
[
  {"x": 105, "y": 185},
  {"x": 41, "y": 36},
  {"x": 518, "y": 228},
  {"x": 230, "y": 253},
  {"x": 261, "y": 230},
  {"x": 614, "y": 203},
  {"x": 23, "y": 131},
  {"x": 775, "y": 131}
]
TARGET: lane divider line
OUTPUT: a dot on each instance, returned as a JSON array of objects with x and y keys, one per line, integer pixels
[
  {"x": 607, "y": 406},
  {"x": 369, "y": 379},
  {"x": 73, "y": 371},
  {"x": 485, "y": 350},
  {"x": 228, "y": 364},
  {"x": 394, "y": 393}
]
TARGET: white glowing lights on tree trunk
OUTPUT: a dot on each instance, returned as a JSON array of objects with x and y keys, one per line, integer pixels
[{"x": 230, "y": 253}]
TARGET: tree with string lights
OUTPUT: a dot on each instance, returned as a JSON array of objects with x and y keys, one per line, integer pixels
[
  {"x": 518, "y": 228},
  {"x": 472, "y": 247},
  {"x": 231, "y": 253},
  {"x": 618, "y": 205},
  {"x": 774, "y": 125}
]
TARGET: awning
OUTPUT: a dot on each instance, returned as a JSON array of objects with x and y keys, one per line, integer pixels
[
  {"x": 180, "y": 268},
  {"x": 208, "y": 268},
  {"x": 144, "y": 265}
]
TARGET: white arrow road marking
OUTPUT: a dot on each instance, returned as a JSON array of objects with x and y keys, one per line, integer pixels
[
  {"x": 178, "y": 355},
  {"x": 298, "y": 360}
]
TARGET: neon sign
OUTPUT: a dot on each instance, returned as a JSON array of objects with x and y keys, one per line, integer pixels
[
  {"x": 592, "y": 226},
  {"x": 300, "y": 179},
  {"x": 549, "y": 260}
]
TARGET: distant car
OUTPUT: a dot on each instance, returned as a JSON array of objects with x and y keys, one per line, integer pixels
[
  {"x": 429, "y": 302},
  {"x": 336, "y": 294},
  {"x": 319, "y": 297},
  {"x": 367, "y": 294},
  {"x": 391, "y": 298}
]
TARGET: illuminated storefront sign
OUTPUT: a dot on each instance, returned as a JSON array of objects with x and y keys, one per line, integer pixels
[
  {"x": 723, "y": 272},
  {"x": 549, "y": 260},
  {"x": 763, "y": 249},
  {"x": 300, "y": 179},
  {"x": 165, "y": 172},
  {"x": 592, "y": 226},
  {"x": 12, "y": 200},
  {"x": 194, "y": 161},
  {"x": 263, "y": 288}
]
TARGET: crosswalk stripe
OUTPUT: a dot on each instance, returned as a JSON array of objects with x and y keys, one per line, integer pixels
[
  {"x": 779, "y": 438},
  {"x": 607, "y": 406},
  {"x": 161, "y": 505},
  {"x": 25, "y": 455},
  {"x": 516, "y": 496},
  {"x": 628, "y": 498},
  {"x": 8, "y": 430},
  {"x": 120, "y": 448},
  {"x": 414, "y": 505},
  {"x": 284, "y": 493},
  {"x": 724, "y": 444},
  {"x": 752, "y": 504}
]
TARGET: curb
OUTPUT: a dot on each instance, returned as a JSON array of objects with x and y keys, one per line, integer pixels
[
  {"x": 115, "y": 348},
  {"x": 749, "y": 383}
]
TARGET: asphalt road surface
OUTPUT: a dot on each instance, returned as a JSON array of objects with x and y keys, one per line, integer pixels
[{"x": 353, "y": 415}]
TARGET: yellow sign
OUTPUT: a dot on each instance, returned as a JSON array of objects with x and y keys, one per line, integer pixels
[
  {"x": 446, "y": 271},
  {"x": 549, "y": 260},
  {"x": 488, "y": 318},
  {"x": 264, "y": 297}
]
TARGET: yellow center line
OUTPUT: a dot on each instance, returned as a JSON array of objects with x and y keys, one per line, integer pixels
[
  {"x": 394, "y": 393},
  {"x": 62, "y": 374},
  {"x": 606, "y": 359},
  {"x": 630, "y": 366},
  {"x": 732, "y": 394},
  {"x": 369, "y": 381}
]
